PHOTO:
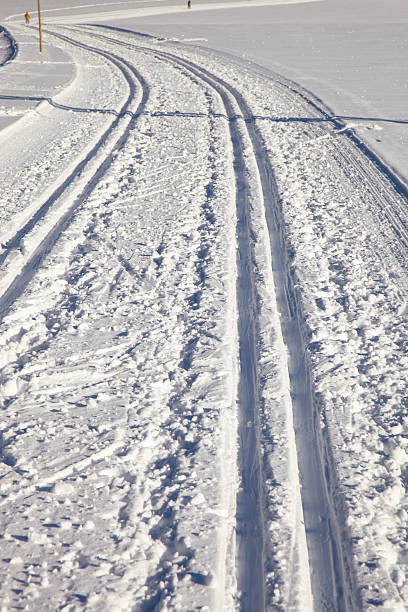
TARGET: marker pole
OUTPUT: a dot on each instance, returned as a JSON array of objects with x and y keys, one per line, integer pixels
[{"x": 39, "y": 25}]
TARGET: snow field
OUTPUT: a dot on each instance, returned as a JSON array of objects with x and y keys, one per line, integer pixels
[
  {"x": 159, "y": 7},
  {"x": 124, "y": 358}
]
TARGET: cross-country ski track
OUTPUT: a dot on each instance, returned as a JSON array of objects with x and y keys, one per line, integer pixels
[{"x": 191, "y": 300}]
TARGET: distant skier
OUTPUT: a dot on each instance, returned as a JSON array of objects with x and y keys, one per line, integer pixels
[
  {"x": 27, "y": 17},
  {"x": 189, "y": 4}
]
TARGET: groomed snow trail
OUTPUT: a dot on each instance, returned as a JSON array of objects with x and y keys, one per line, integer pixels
[{"x": 193, "y": 342}]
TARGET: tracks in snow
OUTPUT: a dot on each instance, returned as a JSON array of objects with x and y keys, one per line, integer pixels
[
  {"x": 25, "y": 248},
  {"x": 325, "y": 554},
  {"x": 257, "y": 202},
  {"x": 256, "y": 197}
]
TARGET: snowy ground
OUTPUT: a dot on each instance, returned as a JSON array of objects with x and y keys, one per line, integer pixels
[{"x": 203, "y": 302}]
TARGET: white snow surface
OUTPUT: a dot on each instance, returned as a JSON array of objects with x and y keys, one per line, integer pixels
[{"x": 203, "y": 306}]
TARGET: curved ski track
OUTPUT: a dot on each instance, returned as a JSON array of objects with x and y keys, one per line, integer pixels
[
  {"x": 330, "y": 568},
  {"x": 53, "y": 215}
]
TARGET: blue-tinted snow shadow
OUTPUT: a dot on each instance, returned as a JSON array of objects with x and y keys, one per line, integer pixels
[
  {"x": 12, "y": 46},
  {"x": 176, "y": 113}
]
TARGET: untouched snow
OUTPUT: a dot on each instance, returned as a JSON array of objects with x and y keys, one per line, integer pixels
[{"x": 203, "y": 300}]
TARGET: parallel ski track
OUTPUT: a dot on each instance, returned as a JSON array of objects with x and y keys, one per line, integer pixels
[
  {"x": 334, "y": 590},
  {"x": 250, "y": 522},
  {"x": 111, "y": 138}
]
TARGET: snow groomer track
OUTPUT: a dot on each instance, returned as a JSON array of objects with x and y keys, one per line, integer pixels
[{"x": 197, "y": 308}]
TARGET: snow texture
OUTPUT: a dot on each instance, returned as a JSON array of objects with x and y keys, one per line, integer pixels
[{"x": 203, "y": 316}]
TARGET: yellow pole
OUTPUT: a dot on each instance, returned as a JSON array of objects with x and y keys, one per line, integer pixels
[{"x": 39, "y": 25}]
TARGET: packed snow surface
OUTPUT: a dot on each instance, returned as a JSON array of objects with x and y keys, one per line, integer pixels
[{"x": 203, "y": 311}]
